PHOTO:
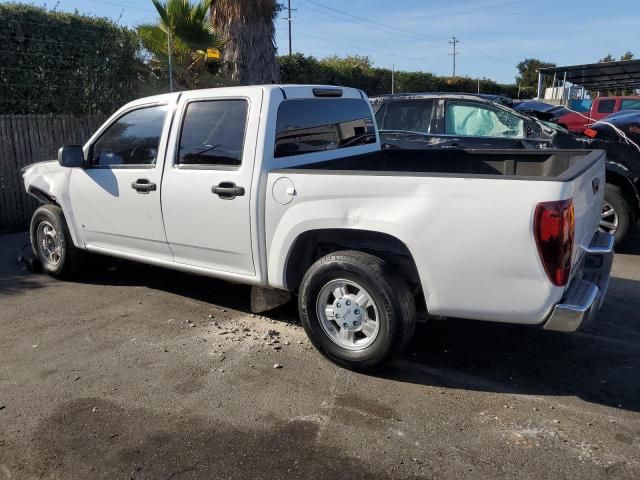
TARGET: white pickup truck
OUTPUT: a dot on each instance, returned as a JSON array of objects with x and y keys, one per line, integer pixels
[{"x": 287, "y": 188}]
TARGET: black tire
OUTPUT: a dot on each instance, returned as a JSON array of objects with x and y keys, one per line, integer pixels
[
  {"x": 624, "y": 213},
  {"x": 70, "y": 257},
  {"x": 390, "y": 293}
]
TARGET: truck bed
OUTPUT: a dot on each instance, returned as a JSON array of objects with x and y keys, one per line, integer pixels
[
  {"x": 559, "y": 165},
  {"x": 465, "y": 216}
]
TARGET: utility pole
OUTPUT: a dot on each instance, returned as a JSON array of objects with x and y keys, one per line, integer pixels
[
  {"x": 169, "y": 51},
  {"x": 454, "y": 42},
  {"x": 393, "y": 78},
  {"x": 289, "y": 20}
]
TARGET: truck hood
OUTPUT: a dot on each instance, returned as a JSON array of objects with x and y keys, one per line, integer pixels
[{"x": 40, "y": 167}]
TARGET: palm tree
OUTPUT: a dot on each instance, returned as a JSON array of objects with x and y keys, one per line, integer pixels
[
  {"x": 186, "y": 27},
  {"x": 250, "y": 49}
]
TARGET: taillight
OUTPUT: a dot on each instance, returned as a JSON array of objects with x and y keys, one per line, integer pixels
[
  {"x": 553, "y": 228},
  {"x": 590, "y": 132}
]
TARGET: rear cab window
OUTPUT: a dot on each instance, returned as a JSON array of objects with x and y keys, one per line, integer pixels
[{"x": 315, "y": 125}]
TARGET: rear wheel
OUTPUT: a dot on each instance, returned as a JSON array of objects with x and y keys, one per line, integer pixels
[
  {"x": 52, "y": 243},
  {"x": 356, "y": 310},
  {"x": 617, "y": 216}
]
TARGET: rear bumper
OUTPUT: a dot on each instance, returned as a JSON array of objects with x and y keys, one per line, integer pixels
[{"x": 585, "y": 294}]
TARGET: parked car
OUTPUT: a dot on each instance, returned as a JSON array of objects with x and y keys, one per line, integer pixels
[
  {"x": 445, "y": 120},
  {"x": 626, "y": 120},
  {"x": 540, "y": 110},
  {"x": 287, "y": 187},
  {"x": 600, "y": 107}
]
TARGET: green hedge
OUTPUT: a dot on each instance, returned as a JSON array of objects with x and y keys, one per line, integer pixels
[
  {"x": 358, "y": 72},
  {"x": 64, "y": 63}
]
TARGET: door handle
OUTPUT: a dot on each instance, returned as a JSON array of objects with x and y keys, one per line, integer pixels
[
  {"x": 143, "y": 185},
  {"x": 227, "y": 190}
]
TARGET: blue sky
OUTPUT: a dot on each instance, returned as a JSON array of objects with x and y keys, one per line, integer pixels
[{"x": 414, "y": 34}]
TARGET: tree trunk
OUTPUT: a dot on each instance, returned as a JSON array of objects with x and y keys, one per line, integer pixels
[{"x": 250, "y": 49}]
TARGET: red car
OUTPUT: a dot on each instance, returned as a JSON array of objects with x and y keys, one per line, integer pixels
[{"x": 600, "y": 108}]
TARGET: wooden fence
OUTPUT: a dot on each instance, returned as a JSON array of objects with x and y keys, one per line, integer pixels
[{"x": 26, "y": 139}]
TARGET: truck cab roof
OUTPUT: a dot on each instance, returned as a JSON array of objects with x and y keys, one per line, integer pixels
[{"x": 288, "y": 91}]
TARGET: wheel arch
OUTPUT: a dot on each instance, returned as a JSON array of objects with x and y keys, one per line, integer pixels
[
  {"x": 42, "y": 196},
  {"x": 46, "y": 198},
  {"x": 311, "y": 245},
  {"x": 619, "y": 177}
]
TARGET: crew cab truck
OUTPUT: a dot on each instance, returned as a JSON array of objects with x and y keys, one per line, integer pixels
[
  {"x": 600, "y": 108},
  {"x": 287, "y": 188}
]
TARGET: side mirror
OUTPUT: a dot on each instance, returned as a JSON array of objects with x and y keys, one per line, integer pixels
[{"x": 71, "y": 156}]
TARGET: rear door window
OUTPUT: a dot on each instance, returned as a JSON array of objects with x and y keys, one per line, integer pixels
[
  {"x": 606, "y": 106},
  {"x": 213, "y": 133},
  {"x": 317, "y": 125},
  {"x": 408, "y": 116},
  {"x": 474, "y": 120}
]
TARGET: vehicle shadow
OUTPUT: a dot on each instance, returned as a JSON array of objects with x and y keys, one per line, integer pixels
[
  {"x": 632, "y": 245},
  {"x": 599, "y": 365},
  {"x": 13, "y": 276}
]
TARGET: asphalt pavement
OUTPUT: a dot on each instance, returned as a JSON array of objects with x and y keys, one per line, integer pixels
[{"x": 139, "y": 373}]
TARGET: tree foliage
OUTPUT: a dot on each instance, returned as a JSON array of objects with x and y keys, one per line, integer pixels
[
  {"x": 191, "y": 34},
  {"x": 527, "y": 79},
  {"x": 52, "y": 62},
  {"x": 359, "y": 72},
  {"x": 621, "y": 91},
  {"x": 528, "y": 71},
  {"x": 610, "y": 58}
]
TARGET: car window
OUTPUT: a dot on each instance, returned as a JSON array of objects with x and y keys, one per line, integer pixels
[
  {"x": 468, "y": 119},
  {"x": 213, "y": 132},
  {"x": 316, "y": 125},
  {"x": 410, "y": 116},
  {"x": 630, "y": 105},
  {"x": 132, "y": 139},
  {"x": 606, "y": 106}
]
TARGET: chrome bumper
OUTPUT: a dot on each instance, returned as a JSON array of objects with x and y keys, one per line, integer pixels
[{"x": 585, "y": 294}]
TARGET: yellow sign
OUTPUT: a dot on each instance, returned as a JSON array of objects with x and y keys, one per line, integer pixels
[{"x": 213, "y": 53}]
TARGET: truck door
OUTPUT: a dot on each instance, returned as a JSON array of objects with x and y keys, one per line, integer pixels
[
  {"x": 115, "y": 200},
  {"x": 206, "y": 188},
  {"x": 603, "y": 107}
]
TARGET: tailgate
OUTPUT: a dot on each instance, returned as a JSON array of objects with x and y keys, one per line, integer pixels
[{"x": 588, "y": 195}]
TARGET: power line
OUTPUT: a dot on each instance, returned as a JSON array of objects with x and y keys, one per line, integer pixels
[
  {"x": 114, "y": 4},
  {"x": 331, "y": 11},
  {"x": 378, "y": 52},
  {"x": 97, "y": 29},
  {"x": 104, "y": 31},
  {"x": 487, "y": 55},
  {"x": 367, "y": 22}
]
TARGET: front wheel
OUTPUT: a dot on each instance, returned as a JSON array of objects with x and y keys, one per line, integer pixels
[
  {"x": 356, "y": 310},
  {"x": 52, "y": 243}
]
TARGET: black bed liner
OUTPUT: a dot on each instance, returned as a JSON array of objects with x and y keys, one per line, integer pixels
[{"x": 558, "y": 165}]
